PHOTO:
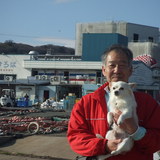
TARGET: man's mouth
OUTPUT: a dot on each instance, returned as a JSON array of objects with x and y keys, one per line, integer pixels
[{"x": 117, "y": 78}]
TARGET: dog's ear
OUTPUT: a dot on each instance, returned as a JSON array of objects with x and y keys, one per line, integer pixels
[{"x": 132, "y": 85}]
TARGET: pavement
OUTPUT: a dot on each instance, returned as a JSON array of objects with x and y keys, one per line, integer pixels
[{"x": 36, "y": 147}]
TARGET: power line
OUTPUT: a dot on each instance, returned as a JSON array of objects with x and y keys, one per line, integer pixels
[{"x": 16, "y": 35}]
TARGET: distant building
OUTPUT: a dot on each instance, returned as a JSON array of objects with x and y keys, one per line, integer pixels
[
  {"x": 141, "y": 39},
  {"x": 50, "y": 76}
]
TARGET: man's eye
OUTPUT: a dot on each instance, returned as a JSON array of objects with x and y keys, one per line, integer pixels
[
  {"x": 123, "y": 66},
  {"x": 111, "y": 65}
]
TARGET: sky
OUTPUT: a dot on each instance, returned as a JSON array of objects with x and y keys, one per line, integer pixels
[{"x": 41, "y": 22}]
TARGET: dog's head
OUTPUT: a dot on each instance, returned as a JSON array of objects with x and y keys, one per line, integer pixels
[{"x": 121, "y": 89}]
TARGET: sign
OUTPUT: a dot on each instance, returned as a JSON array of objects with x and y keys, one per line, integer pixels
[{"x": 7, "y": 66}]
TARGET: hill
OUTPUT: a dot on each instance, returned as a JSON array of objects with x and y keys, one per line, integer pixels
[{"x": 9, "y": 47}]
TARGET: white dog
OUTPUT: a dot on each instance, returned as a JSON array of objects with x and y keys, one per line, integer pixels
[{"x": 122, "y": 99}]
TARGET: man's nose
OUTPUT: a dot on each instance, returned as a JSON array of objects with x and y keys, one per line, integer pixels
[{"x": 117, "y": 68}]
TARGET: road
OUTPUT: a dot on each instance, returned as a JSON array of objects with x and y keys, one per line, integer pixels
[{"x": 40, "y": 146}]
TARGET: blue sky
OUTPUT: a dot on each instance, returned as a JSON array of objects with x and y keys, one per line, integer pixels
[{"x": 40, "y": 22}]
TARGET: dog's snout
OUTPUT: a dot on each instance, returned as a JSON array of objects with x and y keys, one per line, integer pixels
[{"x": 116, "y": 93}]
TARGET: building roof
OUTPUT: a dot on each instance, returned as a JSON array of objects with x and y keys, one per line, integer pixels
[{"x": 26, "y": 82}]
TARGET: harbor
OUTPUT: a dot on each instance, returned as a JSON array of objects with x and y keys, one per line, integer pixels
[{"x": 48, "y": 129}]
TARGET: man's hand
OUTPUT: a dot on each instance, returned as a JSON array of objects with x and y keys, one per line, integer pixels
[
  {"x": 112, "y": 145},
  {"x": 129, "y": 125}
]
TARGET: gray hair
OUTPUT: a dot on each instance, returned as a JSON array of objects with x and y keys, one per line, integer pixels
[{"x": 118, "y": 49}]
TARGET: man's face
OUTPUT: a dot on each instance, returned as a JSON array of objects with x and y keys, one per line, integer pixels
[{"x": 117, "y": 67}]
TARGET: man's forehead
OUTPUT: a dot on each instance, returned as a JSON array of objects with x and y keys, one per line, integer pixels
[
  {"x": 117, "y": 56},
  {"x": 117, "y": 61}
]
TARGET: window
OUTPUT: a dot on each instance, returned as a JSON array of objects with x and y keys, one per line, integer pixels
[
  {"x": 150, "y": 39},
  {"x": 135, "y": 37},
  {"x": 34, "y": 73},
  {"x": 99, "y": 76},
  {"x": 66, "y": 75},
  {"x": 45, "y": 94}
]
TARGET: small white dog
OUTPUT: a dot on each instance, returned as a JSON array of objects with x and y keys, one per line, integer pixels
[{"x": 122, "y": 99}]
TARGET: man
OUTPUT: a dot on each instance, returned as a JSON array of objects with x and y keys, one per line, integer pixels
[{"x": 89, "y": 115}]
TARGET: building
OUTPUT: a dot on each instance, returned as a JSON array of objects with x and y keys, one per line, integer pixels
[
  {"x": 50, "y": 76},
  {"x": 43, "y": 77},
  {"x": 138, "y": 35},
  {"x": 141, "y": 39}
]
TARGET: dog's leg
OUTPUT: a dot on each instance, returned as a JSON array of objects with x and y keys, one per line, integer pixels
[
  {"x": 111, "y": 134},
  {"x": 125, "y": 114},
  {"x": 110, "y": 118}
]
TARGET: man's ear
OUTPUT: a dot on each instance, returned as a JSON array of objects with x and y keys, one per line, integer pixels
[{"x": 104, "y": 70}]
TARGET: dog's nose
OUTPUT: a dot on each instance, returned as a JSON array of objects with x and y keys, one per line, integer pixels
[{"x": 116, "y": 93}]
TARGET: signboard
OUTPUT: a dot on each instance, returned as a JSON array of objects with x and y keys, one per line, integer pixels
[{"x": 7, "y": 66}]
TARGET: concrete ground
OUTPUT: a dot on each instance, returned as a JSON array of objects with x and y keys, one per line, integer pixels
[{"x": 37, "y": 147}]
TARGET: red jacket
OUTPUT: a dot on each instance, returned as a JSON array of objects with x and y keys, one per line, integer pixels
[{"x": 88, "y": 118}]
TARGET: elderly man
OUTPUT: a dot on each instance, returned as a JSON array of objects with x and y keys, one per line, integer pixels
[{"x": 89, "y": 115}]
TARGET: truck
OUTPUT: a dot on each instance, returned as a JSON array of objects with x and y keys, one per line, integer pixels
[{"x": 7, "y": 98}]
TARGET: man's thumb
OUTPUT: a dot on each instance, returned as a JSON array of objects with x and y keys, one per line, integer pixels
[{"x": 118, "y": 141}]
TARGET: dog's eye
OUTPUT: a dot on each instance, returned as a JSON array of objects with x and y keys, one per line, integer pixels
[
  {"x": 114, "y": 88},
  {"x": 121, "y": 88}
]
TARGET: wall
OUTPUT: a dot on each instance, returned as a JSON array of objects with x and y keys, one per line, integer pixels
[
  {"x": 41, "y": 89},
  {"x": 139, "y": 69},
  {"x": 13, "y": 65},
  {"x": 103, "y": 27},
  {"x": 149, "y": 48},
  {"x": 95, "y": 44},
  {"x": 21, "y": 91},
  {"x": 124, "y": 28},
  {"x": 143, "y": 31}
]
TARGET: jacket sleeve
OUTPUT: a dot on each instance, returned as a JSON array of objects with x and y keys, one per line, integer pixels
[
  {"x": 149, "y": 118},
  {"x": 81, "y": 139}
]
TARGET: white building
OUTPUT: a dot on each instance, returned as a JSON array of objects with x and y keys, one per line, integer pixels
[{"x": 45, "y": 77}]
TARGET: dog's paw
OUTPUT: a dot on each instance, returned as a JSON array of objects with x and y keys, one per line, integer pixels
[
  {"x": 110, "y": 118},
  {"x": 115, "y": 152},
  {"x": 110, "y": 122},
  {"x": 120, "y": 120}
]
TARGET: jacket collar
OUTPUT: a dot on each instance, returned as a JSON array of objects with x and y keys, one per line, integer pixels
[{"x": 99, "y": 94}]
